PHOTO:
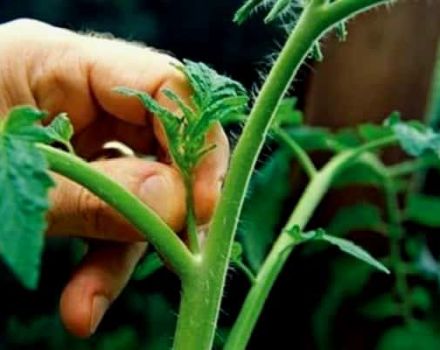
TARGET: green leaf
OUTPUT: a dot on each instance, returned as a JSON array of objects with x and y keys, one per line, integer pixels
[
  {"x": 370, "y": 132},
  {"x": 361, "y": 216},
  {"x": 358, "y": 173},
  {"x": 237, "y": 251},
  {"x": 287, "y": 115},
  {"x": 423, "y": 209},
  {"x": 312, "y": 139},
  {"x": 382, "y": 307},
  {"x": 352, "y": 249},
  {"x": 147, "y": 267},
  {"x": 414, "y": 138},
  {"x": 24, "y": 185},
  {"x": 215, "y": 98},
  {"x": 343, "y": 244},
  {"x": 263, "y": 207},
  {"x": 420, "y": 336},
  {"x": 60, "y": 130}
]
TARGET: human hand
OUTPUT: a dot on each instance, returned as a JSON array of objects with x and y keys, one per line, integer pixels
[{"x": 60, "y": 71}]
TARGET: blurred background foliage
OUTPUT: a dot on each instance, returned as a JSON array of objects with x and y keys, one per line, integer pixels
[{"x": 321, "y": 301}]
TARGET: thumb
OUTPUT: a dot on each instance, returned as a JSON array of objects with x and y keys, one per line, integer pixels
[{"x": 75, "y": 211}]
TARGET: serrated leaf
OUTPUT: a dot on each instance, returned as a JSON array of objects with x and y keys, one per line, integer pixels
[
  {"x": 361, "y": 216},
  {"x": 215, "y": 97},
  {"x": 60, "y": 130},
  {"x": 414, "y": 138},
  {"x": 24, "y": 185},
  {"x": 423, "y": 209},
  {"x": 263, "y": 207}
]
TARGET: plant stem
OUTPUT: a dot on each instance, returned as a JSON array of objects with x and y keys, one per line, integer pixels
[
  {"x": 285, "y": 243},
  {"x": 395, "y": 236},
  {"x": 156, "y": 232},
  {"x": 191, "y": 224},
  {"x": 302, "y": 157},
  {"x": 202, "y": 295}
]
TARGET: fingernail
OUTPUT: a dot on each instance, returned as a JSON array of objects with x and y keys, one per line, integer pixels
[{"x": 100, "y": 305}]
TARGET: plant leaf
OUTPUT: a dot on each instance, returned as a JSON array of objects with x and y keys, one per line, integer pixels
[
  {"x": 215, "y": 97},
  {"x": 354, "y": 250},
  {"x": 343, "y": 244},
  {"x": 60, "y": 130},
  {"x": 414, "y": 138},
  {"x": 263, "y": 207},
  {"x": 423, "y": 209},
  {"x": 361, "y": 216},
  {"x": 287, "y": 115},
  {"x": 24, "y": 185}
]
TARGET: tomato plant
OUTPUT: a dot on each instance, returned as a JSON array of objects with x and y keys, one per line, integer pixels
[{"x": 26, "y": 155}]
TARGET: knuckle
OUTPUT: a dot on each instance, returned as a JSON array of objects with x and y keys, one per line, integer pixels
[{"x": 91, "y": 211}]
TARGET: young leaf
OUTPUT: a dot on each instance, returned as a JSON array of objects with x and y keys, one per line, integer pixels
[
  {"x": 423, "y": 209},
  {"x": 24, "y": 184},
  {"x": 343, "y": 244},
  {"x": 361, "y": 216},
  {"x": 414, "y": 138},
  {"x": 215, "y": 97},
  {"x": 60, "y": 130},
  {"x": 287, "y": 115},
  {"x": 263, "y": 207}
]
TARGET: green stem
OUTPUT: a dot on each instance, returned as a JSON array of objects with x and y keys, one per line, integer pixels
[
  {"x": 191, "y": 223},
  {"x": 395, "y": 236},
  {"x": 302, "y": 157},
  {"x": 246, "y": 270},
  {"x": 285, "y": 243},
  {"x": 202, "y": 295},
  {"x": 395, "y": 231},
  {"x": 412, "y": 166},
  {"x": 156, "y": 232}
]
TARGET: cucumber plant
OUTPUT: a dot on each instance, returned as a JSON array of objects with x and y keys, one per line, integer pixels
[{"x": 27, "y": 153}]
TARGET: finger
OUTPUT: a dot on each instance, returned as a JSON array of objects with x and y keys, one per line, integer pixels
[
  {"x": 77, "y": 73},
  {"x": 96, "y": 283},
  {"x": 77, "y": 212}
]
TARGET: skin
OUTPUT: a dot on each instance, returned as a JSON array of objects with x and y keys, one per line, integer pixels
[{"x": 61, "y": 71}]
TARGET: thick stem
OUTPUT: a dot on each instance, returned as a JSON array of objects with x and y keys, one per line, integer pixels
[
  {"x": 156, "y": 232},
  {"x": 198, "y": 315}
]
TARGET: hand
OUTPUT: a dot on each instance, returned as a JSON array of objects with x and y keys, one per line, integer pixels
[{"x": 60, "y": 71}]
